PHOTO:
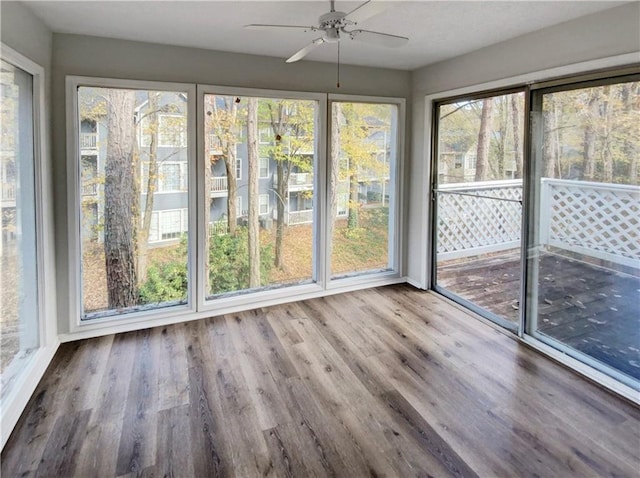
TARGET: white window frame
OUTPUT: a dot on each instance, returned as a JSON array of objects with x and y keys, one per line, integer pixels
[
  {"x": 198, "y": 306},
  {"x": 265, "y": 134},
  {"x": 238, "y": 169},
  {"x": 395, "y": 250},
  {"x": 26, "y": 381},
  {"x": 265, "y": 167},
  {"x": 263, "y": 200},
  {"x": 238, "y": 206},
  {"x": 127, "y": 320},
  {"x": 182, "y": 180}
]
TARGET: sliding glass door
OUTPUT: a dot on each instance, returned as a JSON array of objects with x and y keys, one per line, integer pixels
[
  {"x": 477, "y": 187},
  {"x": 584, "y": 241},
  {"x": 19, "y": 299}
]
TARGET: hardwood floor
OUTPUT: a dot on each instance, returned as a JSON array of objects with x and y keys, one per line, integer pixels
[{"x": 384, "y": 382}]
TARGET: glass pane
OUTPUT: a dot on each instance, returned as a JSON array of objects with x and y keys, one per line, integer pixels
[
  {"x": 260, "y": 169},
  {"x": 134, "y": 221},
  {"x": 363, "y": 154},
  {"x": 478, "y": 209},
  {"x": 19, "y": 325},
  {"x": 584, "y": 248}
]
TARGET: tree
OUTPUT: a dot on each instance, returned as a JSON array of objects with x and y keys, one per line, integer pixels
[
  {"x": 484, "y": 139},
  {"x": 121, "y": 199},
  {"x": 359, "y": 161},
  {"x": 152, "y": 184},
  {"x": 589, "y": 138},
  {"x": 291, "y": 123},
  {"x": 336, "y": 119},
  {"x": 254, "y": 224},
  {"x": 222, "y": 114},
  {"x": 517, "y": 131}
]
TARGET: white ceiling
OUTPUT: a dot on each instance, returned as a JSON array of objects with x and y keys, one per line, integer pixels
[{"x": 437, "y": 29}]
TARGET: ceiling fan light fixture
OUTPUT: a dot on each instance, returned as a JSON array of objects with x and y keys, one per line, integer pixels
[{"x": 332, "y": 35}]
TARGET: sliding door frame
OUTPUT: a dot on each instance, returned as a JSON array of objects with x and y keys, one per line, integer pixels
[
  {"x": 517, "y": 327},
  {"x": 537, "y": 92},
  {"x": 594, "y": 70}
]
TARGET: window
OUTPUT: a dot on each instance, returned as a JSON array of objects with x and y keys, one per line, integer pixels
[
  {"x": 170, "y": 224},
  {"x": 264, "y": 167},
  {"x": 265, "y": 135},
  {"x": 363, "y": 198},
  {"x": 286, "y": 259},
  {"x": 18, "y": 242},
  {"x": 173, "y": 177},
  {"x": 120, "y": 272},
  {"x": 27, "y": 302},
  {"x": 136, "y": 242},
  {"x": 263, "y": 205}
]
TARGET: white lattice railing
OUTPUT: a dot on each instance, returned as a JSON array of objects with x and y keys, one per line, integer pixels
[
  {"x": 478, "y": 218},
  {"x": 599, "y": 220},
  {"x": 596, "y": 219}
]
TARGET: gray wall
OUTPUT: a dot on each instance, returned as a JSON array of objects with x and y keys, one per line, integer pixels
[
  {"x": 25, "y": 33},
  {"x": 102, "y": 57},
  {"x": 605, "y": 34}
]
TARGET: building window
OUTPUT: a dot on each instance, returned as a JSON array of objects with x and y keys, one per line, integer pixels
[
  {"x": 238, "y": 206},
  {"x": 265, "y": 135},
  {"x": 171, "y": 224},
  {"x": 239, "y": 169},
  {"x": 113, "y": 253},
  {"x": 173, "y": 177},
  {"x": 263, "y": 204},
  {"x": 263, "y": 164}
]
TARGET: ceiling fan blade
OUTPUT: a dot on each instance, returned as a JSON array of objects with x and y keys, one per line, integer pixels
[
  {"x": 365, "y": 10},
  {"x": 264, "y": 26},
  {"x": 377, "y": 38},
  {"x": 306, "y": 50}
]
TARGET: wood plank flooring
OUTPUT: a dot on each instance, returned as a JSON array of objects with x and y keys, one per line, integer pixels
[{"x": 384, "y": 382}]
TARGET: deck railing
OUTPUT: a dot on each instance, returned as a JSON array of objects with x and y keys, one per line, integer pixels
[
  {"x": 595, "y": 219},
  {"x": 219, "y": 184},
  {"x": 599, "y": 220},
  {"x": 88, "y": 140},
  {"x": 300, "y": 217},
  {"x": 478, "y": 218}
]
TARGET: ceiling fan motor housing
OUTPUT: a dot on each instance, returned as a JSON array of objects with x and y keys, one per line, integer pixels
[{"x": 332, "y": 20}]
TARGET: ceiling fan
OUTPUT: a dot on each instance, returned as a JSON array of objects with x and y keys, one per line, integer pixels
[{"x": 335, "y": 26}]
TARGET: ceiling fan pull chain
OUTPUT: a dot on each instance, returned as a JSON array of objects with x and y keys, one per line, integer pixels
[{"x": 338, "y": 82}]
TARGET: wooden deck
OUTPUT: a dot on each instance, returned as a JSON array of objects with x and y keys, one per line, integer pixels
[
  {"x": 591, "y": 309},
  {"x": 389, "y": 382}
]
